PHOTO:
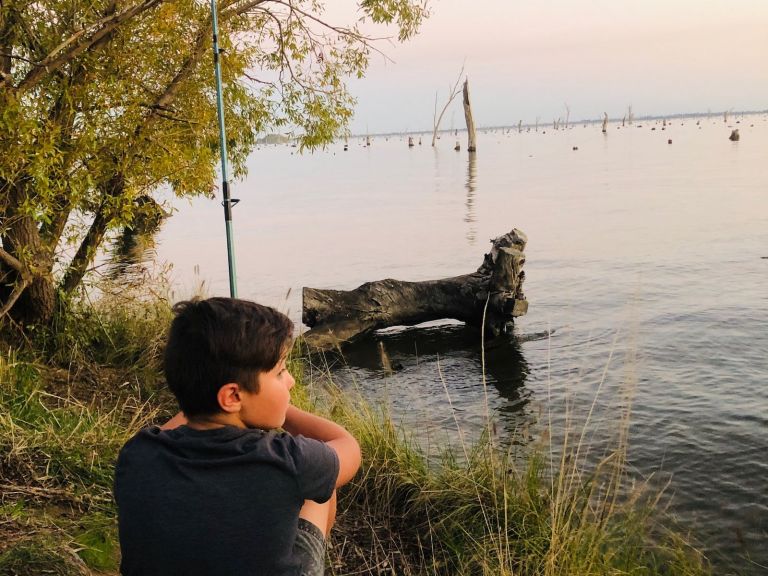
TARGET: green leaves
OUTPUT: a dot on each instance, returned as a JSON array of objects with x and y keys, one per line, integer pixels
[
  {"x": 102, "y": 102},
  {"x": 408, "y": 15}
]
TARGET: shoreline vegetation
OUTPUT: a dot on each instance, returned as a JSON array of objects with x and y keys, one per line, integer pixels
[{"x": 70, "y": 398}]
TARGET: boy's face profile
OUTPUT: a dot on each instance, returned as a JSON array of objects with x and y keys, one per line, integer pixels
[
  {"x": 216, "y": 349},
  {"x": 266, "y": 408}
]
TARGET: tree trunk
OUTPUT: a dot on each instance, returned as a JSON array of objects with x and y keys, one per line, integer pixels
[
  {"x": 114, "y": 188},
  {"x": 36, "y": 303},
  {"x": 490, "y": 297},
  {"x": 472, "y": 139}
]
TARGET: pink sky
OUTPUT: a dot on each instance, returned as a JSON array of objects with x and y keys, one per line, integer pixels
[{"x": 527, "y": 59}]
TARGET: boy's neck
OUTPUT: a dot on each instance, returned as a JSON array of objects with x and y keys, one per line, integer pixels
[{"x": 213, "y": 421}]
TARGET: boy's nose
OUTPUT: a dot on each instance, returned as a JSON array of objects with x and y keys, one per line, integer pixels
[{"x": 291, "y": 381}]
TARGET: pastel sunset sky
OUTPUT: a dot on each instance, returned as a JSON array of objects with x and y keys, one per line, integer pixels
[{"x": 529, "y": 58}]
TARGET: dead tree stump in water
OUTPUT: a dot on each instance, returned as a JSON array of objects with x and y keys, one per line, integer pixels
[
  {"x": 491, "y": 297},
  {"x": 471, "y": 136}
]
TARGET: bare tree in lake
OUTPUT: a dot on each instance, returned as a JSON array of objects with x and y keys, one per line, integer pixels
[{"x": 452, "y": 93}]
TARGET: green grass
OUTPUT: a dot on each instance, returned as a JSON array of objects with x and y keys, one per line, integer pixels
[
  {"x": 474, "y": 509},
  {"x": 56, "y": 471},
  {"x": 124, "y": 330}
]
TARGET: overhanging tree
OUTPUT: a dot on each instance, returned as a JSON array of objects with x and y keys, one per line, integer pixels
[{"x": 103, "y": 102}]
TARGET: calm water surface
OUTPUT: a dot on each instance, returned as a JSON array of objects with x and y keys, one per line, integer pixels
[{"x": 647, "y": 259}]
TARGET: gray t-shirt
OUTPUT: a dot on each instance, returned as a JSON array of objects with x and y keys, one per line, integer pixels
[{"x": 216, "y": 502}]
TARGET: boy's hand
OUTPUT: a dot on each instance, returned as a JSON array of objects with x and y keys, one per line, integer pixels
[{"x": 343, "y": 443}]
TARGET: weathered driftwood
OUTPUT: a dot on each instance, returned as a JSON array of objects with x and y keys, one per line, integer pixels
[{"x": 490, "y": 297}]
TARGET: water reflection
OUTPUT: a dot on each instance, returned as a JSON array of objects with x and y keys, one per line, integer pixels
[
  {"x": 424, "y": 364},
  {"x": 507, "y": 370},
  {"x": 471, "y": 186},
  {"x": 134, "y": 249},
  {"x": 129, "y": 255},
  {"x": 437, "y": 174}
]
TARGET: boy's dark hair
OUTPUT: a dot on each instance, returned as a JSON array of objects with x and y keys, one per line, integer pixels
[{"x": 217, "y": 341}]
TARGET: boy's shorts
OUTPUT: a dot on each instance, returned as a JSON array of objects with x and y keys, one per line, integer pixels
[{"x": 310, "y": 549}]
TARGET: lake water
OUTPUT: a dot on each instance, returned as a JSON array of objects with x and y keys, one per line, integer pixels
[{"x": 647, "y": 260}]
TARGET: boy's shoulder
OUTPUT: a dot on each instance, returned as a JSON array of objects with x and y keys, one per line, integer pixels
[
  {"x": 228, "y": 445},
  {"x": 155, "y": 458}
]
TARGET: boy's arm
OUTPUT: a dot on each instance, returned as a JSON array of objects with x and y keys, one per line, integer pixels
[{"x": 343, "y": 443}]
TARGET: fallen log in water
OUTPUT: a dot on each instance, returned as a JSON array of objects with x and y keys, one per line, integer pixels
[{"x": 491, "y": 297}]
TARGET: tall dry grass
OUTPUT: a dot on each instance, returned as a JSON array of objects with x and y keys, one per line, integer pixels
[{"x": 563, "y": 505}]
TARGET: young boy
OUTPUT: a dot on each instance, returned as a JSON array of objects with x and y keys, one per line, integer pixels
[{"x": 217, "y": 491}]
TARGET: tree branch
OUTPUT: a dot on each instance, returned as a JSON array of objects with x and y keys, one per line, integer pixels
[
  {"x": 244, "y": 8},
  {"x": 82, "y": 258},
  {"x": 79, "y": 42},
  {"x": 6, "y": 47},
  {"x": 338, "y": 29},
  {"x": 164, "y": 100},
  {"x": 172, "y": 117},
  {"x": 62, "y": 114},
  {"x": 21, "y": 285},
  {"x": 259, "y": 81},
  {"x": 453, "y": 92},
  {"x": 285, "y": 60},
  {"x": 11, "y": 261},
  {"x": 12, "y": 56},
  {"x": 172, "y": 90}
]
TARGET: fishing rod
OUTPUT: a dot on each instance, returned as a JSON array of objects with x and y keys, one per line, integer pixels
[{"x": 228, "y": 202}]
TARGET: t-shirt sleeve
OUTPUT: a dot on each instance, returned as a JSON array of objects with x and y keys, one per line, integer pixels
[{"x": 317, "y": 467}]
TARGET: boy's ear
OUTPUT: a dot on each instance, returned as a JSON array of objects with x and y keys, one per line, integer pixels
[{"x": 229, "y": 398}]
